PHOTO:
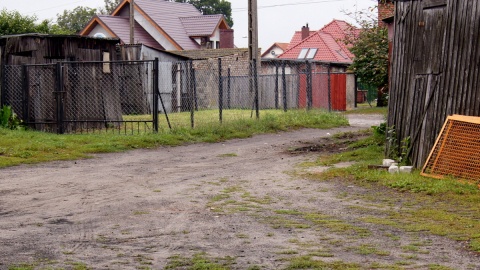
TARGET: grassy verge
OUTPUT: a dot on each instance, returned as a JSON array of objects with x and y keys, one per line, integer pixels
[
  {"x": 364, "y": 108},
  {"x": 447, "y": 207},
  {"x": 20, "y": 147}
]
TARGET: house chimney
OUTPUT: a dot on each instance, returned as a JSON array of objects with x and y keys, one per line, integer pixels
[{"x": 305, "y": 32}]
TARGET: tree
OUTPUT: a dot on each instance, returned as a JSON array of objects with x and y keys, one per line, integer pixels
[
  {"x": 208, "y": 7},
  {"x": 110, "y": 6},
  {"x": 75, "y": 20},
  {"x": 12, "y": 22},
  {"x": 370, "y": 48}
]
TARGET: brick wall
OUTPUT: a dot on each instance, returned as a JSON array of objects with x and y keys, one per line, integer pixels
[{"x": 386, "y": 9}]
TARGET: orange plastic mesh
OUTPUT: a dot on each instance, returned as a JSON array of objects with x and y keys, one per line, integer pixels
[{"x": 457, "y": 150}]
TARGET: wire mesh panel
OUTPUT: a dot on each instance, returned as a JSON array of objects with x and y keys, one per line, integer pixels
[
  {"x": 12, "y": 89},
  {"x": 133, "y": 96},
  {"x": 456, "y": 151},
  {"x": 83, "y": 96},
  {"x": 110, "y": 95},
  {"x": 40, "y": 104}
]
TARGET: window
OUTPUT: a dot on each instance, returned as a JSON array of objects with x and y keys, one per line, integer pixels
[
  {"x": 302, "y": 53},
  {"x": 311, "y": 53},
  {"x": 307, "y": 53}
]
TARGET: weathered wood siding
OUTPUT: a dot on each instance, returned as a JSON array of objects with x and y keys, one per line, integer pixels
[{"x": 435, "y": 69}]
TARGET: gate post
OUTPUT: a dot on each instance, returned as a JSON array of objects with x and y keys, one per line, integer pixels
[
  {"x": 59, "y": 98},
  {"x": 329, "y": 89},
  {"x": 155, "y": 95},
  {"x": 2, "y": 83},
  {"x": 25, "y": 94},
  {"x": 276, "y": 85},
  {"x": 191, "y": 93},
  {"x": 220, "y": 90},
  {"x": 229, "y": 89},
  {"x": 284, "y": 85},
  {"x": 309, "y": 85},
  {"x": 255, "y": 84}
]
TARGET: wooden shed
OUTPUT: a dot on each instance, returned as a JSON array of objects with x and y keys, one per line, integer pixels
[
  {"x": 45, "y": 49},
  {"x": 30, "y": 79},
  {"x": 435, "y": 69}
]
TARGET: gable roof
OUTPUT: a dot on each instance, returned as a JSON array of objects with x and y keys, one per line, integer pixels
[
  {"x": 208, "y": 54},
  {"x": 165, "y": 16},
  {"x": 200, "y": 26},
  {"x": 328, "y": 41},
  {"x": 120, "y": 28},
  {"x": 177, "y": 23},
  {"x": 297, "y": 37},
  {"x": 340, "y": 30},
  {"x": 327, "y": 49},
  {"x": 281, "y": 45}
]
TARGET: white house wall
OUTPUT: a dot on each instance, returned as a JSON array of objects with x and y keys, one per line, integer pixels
[
  {"x": 99, "y": 29},
  {"x": 277, "y": 52},
  {"x": 215, "y": 38}
]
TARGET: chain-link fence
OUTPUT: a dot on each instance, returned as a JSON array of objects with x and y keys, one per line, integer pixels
[
  {"x": 367, "y": 93},
  {"x": 81, "y": 97},
  {"x": 144, "y": 96}
]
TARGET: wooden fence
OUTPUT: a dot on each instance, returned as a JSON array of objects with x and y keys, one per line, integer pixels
[{"x": 435, "y": 69}]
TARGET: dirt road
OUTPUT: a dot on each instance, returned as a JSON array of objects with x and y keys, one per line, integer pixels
[{"x": 237, "y": 201}]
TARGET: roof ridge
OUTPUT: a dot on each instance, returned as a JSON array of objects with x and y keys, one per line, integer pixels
[{"x": 301, "y": 42}]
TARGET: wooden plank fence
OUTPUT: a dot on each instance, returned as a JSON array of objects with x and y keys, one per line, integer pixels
[{"x": 435, "y": 69}]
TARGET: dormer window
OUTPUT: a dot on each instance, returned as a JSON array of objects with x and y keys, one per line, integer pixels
[{"x": 307, "y": 53}]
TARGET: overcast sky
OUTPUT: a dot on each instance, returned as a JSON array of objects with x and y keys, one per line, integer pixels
[{"x": 277, "y": 19}]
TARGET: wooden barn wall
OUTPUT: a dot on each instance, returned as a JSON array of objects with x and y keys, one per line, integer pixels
[
  {"x": 435, "y": 69},
  {"x": 50, "y": 49}
]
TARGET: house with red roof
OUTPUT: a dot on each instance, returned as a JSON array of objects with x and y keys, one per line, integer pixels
[
  {"x": 163, "y": 25},
  {"x": 326, "y": 44},
  {"x": 321, "y": 59},
  {"x": 275, "y": 50}
]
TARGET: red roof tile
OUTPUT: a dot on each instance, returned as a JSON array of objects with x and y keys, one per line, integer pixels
[
  {"x": 328, "y": 41},
  {"x": 297, "y": 37},
  {"x": 327, "y": 49}
]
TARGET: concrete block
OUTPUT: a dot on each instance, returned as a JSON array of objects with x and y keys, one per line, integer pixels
[
  {"x": 406, "y": 169},
  {"x": 388, "y": 162},
  {"x": 393, "y": 169}
]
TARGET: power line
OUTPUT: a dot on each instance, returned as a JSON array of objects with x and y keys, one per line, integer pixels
[
  {"x": 54, "y": 7},
  {"x": 289, "y": 4}
]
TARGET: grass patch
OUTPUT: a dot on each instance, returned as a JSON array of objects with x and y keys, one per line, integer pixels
[
  {"x": 199, "y": 261},
  {"x": 364, "y": 108},
  {"x": 446, "y": 207},
  {"x": 369, "y": 249},
  {"x": 228, "y": 155},
  {"x": 22, "y": 147},
  {"x": 306, "y": 262}
]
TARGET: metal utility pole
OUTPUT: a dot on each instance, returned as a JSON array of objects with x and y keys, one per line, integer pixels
[
  {"x": 253, "y": 50},
  {"x": 132, "y": 21}
]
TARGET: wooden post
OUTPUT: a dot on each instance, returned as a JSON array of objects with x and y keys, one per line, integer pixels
[{"x": 132, "y": 21}]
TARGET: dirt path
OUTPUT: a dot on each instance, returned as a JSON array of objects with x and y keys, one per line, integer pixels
[{"x": 237, "y": 200}]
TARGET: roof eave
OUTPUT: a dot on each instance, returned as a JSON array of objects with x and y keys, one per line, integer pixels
[{"x": 91, "y": 25}]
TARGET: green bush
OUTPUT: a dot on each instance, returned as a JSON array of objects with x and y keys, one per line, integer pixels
[{"x": 8, "y": 119}]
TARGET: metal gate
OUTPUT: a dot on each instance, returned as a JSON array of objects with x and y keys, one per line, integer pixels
[{"x": 79, "y": 97}]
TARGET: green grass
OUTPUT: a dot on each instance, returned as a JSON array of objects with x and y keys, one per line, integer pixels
[
  {"x": 306, "y": 262},
  {"x": 364, "y": 108},
  {"x": 26, "y": 147},
  {"x": 199, "y": 261},
  {"x": 446, "y": 207}
]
